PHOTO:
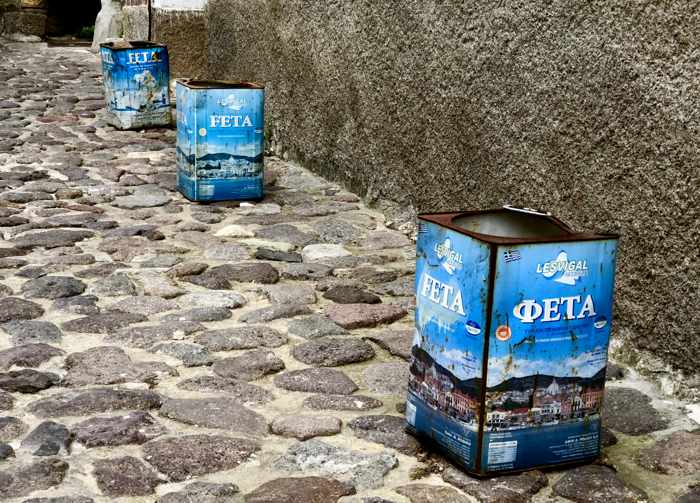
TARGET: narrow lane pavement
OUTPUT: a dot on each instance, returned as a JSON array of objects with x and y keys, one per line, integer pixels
[{"x": 155, "y": 349}]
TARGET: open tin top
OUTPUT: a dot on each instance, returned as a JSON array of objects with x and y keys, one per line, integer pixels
[
  {"x": 219, "y": 84},
  {"x": 511, "y": 225},
  {"x": 133, "y": 44}
]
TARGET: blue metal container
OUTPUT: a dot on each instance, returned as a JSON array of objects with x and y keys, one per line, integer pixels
[
  {"x": 136, "y": 78},
  {"x": 513, "y": 321},
  {"x": 220, "y": 140}
]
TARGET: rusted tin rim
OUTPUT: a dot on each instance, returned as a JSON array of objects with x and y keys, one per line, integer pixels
[
  {"x": 134, "y": 44},
  {"x": 447, "y": 219},
  {"x": 220, "y": 84}
]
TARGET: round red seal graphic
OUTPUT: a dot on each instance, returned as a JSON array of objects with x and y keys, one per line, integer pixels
[{"x": 503, "y": 333}]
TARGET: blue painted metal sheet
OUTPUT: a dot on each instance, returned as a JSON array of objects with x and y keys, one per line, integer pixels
[
  {"x": 220, "y": 140},
  {"x": 136, "y": 80},
  {"x": 452, "y": 273},
  {"x": 508, "y": 364}
]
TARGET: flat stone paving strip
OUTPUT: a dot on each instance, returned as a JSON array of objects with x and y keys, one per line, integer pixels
[{"x": 153, "y": 349}]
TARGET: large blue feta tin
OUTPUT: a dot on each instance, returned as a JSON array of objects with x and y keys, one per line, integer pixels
[
  {"x": 136, "y": 81},
  {"x": 513, "y": 320},
  {"x": 220, "y": 140}
]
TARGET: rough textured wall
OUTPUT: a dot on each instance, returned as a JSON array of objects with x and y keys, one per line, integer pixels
[
  {"x": 109, "y": 24},
  {"x": 23, "y": 17},
  {"x": 185, "y": 34},
  {"x": 8, "y": 8},
  {"x": 587, "y": 108},
  {"x": 135, "y": 22}
]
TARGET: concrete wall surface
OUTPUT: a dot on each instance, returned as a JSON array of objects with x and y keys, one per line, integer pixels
[
  {"x": 590, "y": 109},
  {"x": 135, "y": 22},
  {"x": 185, "y": 34}
]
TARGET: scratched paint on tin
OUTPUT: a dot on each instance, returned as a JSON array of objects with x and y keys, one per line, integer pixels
[
  {"x": 509, "y": 358},
  {"x": 136, "y": 80},
  {"x": 445, "y": 376}
]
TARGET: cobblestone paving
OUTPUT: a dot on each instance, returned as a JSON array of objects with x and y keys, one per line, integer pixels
[{"x": 157, "y": 350}]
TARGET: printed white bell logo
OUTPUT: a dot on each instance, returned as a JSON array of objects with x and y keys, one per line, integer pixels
[
  {"x": 566, "y": 271},
  {"x": 231, "y": 102},
  {"x": 447, "y": 246}
]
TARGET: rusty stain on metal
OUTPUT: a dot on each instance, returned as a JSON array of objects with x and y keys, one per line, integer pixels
[
  {"x": 513, "y": 318},
  {"x": 136, "y": 77}
]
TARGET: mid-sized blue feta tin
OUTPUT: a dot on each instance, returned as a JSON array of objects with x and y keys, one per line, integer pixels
[
  {"x": 513, "y": 318},
  {"x": 220, "y": 140},
  {"x": 136, "y": 81}
]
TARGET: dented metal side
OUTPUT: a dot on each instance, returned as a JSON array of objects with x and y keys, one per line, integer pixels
[
  {"x": 528, "y": 337},
  {"x": 136, "y": 80},
  {"x": 220, "y": 140},
  {"x": 445, "y": 385}
]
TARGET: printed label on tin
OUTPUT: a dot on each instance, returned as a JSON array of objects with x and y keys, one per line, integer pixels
[
  {"x": 548, "y": 352},
  {"x": 136, "y": 86},
  {"x": 446, "y": 365},
  {"x": 502, "y": 452},
  {"x": 220, "y": 143}
]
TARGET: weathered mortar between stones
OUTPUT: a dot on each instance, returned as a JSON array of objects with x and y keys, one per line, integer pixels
[
  {"x": 585, "y": 109},
  {"x": 25, "y": 21}
]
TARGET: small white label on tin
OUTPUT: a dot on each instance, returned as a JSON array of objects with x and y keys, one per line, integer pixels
[
  {"x": 502, "y": 452},
  {"x": 410, "y": 413},
  {"x": 206, "y": 190}
]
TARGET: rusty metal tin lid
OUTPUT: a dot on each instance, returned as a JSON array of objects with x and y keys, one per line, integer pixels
[
  {"x": 220, "y": 84},
  {"x": 131, "y": 44},
  {"x": 510, "y": 226}
]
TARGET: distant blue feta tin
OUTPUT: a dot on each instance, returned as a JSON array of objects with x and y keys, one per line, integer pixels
[
  {"x": 220, "y": 140},
  {"x": 136, "y": 78}
]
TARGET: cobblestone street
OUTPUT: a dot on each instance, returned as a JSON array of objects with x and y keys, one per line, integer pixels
[{"x": 153, "y": 349}]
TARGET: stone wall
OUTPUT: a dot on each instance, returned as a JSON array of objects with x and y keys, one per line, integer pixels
[
  {"x": 7, "y": 8},
  {"x": 33, "y": 20},
  {"x": 23, "y": 18},
  {"x": 181, "y": 25},
  {"x": 587, "y": 109}
]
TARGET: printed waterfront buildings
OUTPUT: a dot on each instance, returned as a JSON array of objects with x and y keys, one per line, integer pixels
[
  {"x": 549, "y": 400},
  {"x": 442, "y": 390},
  {"x": 514, "y": 404},
  {"x": 220, "y": 166}
]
